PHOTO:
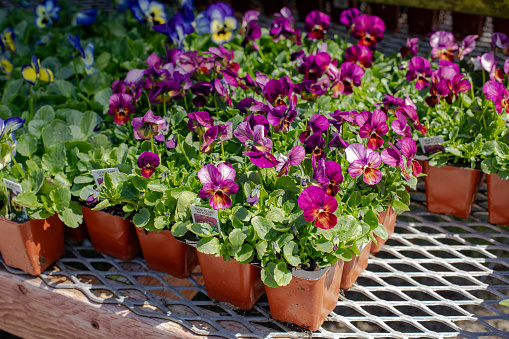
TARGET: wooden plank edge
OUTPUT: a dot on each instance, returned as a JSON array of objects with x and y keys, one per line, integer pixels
[{"x": 31, "y": 309}]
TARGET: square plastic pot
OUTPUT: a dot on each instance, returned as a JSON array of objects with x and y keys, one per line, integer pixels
[
  {"x": 111, "y": 235},
  {"x": 309, "y": 298},
  {"x": 230, "y": 281},
  {"x": 498, "y": 200},
  {"x": 388, "y": 219},
  {"x": 353, "y": 268},
  {"x": 164, "y": 253},
  {"x": 451, "y": 189},
  {"x": 33, "y": 245}
]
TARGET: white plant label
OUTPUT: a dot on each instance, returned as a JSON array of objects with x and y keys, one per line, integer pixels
[
  {"x": 431, "y": 144},
  {"x": 207, "y": 216},
  {"x": 12, "y": 189},
  {"x": 99, "y": 174}
]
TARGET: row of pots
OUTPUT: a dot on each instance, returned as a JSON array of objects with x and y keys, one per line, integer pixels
[
  {"x": 308, "y": 299},
  {"x": 452, "y": 190}
]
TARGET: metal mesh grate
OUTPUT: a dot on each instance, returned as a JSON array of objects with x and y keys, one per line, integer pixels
[{"x": 437, "y": 277}]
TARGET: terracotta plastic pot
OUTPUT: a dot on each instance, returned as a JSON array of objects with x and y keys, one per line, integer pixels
[
  {"x": 308, "y": 299},
  {"x": 77, "y": 234},
  {"x": 498, "y": 200},
  {"x": 388, "y": 219},
  {"x": 230, "y": 281},
  {"x": 33, "y": 245},
  {"x": 111, "y": 234},
  {"x": 164, "y": 253},
  {"x": 451, "y": 189},
  {"x": 353, "y": 268}
]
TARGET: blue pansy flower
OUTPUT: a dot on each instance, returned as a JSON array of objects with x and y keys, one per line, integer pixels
[
  {"x": 8, "y": 141},
  {"x": 87, "y": 54},
  {"x": 6, "y": 65},
  {"x": 8, "y": 40},
  {"x": 46, "y": 13},
  {"x": 85, "y": 18},
  {"x": 149, "y": 11},
  {"x": 217, "y": 20},
  {"x": 178, "y": 26}
]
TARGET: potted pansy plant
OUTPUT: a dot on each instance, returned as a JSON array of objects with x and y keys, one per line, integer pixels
[{"x": 457, "y": 122}]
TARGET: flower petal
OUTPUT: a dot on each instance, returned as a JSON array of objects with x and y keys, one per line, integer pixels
[
  {"x": 356, "y": 151},
  {"x": 356, "y": 168},
  {"x": 372, "y": 176},
  {"x": 209, "y": 174},
  {"x": 227, "y": 172},
  {"x": 311, "y": 198},
  {"x": 220, "y": 201},
  {"x": 326, "y": 220}
]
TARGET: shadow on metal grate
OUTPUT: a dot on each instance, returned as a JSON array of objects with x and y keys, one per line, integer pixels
[{"x": 437, "y": 277}]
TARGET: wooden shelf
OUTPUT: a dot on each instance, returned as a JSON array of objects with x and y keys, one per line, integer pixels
[{"x": 31, "y": 309}]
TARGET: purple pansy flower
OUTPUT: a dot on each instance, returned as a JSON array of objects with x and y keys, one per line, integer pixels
[
  {"x": 364, "y": 162},
  {"x": 311, "y": 90},
  {"x": 215, "y": 134},
  {"x": 443, "y": 45},
  {"x": 315, "y": 145},
  {"x": 499, "y": 40},
  {"x": 317, "y": 123},
  {"x": 337, "y": 143},
  {"x": 201, "y": 91},
  {"x": 318, "y": 207},
  {"x": 350, "y": 75},
  {"x": 313, "y": 66},
  {"x": 467, "y": 46},
  {"x": 294, "y": 158},
  {"x": 393, "y": 157},
  {"x": 368, "y": 30},
  {"x": 249, "y": 105},
  {"x": 360, "y": 55},
  {"x": 199, "y": 122},
  {"x": 148, "y": 162},
  {"x": 457, "y": 85},
  {"x": 259, "y": 153},
  {"x": 506, "y": 66},
  {"x": 410, "y": 48},
  {"x": 121, "y": 108},
  {"x": 253, "y": 32},
  {"x": 372, "y": 127},
  {"x": 218, "y": 183},
  {"x": 276, "y": 91},
  {"x": 281, "y": 117},
  {"x": 419, "y": 68},
  {"x": 147, "y": 127},
  {"x": 400, "y": 127},
  {"x": 348, "y": 16},
  {"x": 497, "y": 93},
  {"x": 316, "y": 25},
  {"x": 254, "y": 196},
  {"x": 329, "y": 176}
]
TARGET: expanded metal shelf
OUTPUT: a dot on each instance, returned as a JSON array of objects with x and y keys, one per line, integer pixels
[{"x": 437, "y": 277}]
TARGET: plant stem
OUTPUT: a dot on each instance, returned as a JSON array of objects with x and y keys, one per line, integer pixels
[
  {"x": 261, "y": 53},
  {"x": 148, "y": 101},
  {"x": 76, "y": 75},
  {"x": 152, "y": 144},
  {"x": 222, "y": 151},
  {"x": 17, "y": 166},
  {"x": 164, "y": 104},
  {"x": 31, "y": 103},
  {"x": 185, "y": 102},
  {"x": 183, "y": 152}
]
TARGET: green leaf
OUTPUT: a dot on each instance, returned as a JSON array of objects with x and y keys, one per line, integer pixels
[
  {"x": 55, "y": 131},
  {"x": 54, "y": 158},
  {"x": 371, "y": 219},
  {"x": 399, "y": 205},
  {"x": 27, "y": 145},
  {"x": 141, "y": 218},
  {"x": 61, "y": 197},
  {"x": 27, "y": 199},
  {"x": 183, "y": 202},
  {"x": 276, "y": 275},
  {"x": 37, "y": 180},
  {"x": 65, "y": 87},
  {"x": 245, "y": 254},
  {"x": 237, "y": 236},
  {"x": 179, "y": 229},
  {"x": 72, "y": 216},
  {"x": 453, "y": 150},
  {"x": 88, "y": 123},
  {"x": 291, "y": 253},
  {"x": 261, "y": 248},
  {"x": 45, "y": 113},
  {"x": 381, "y": 231},
  {"x": 160, "y": 223},
  {"x": 157, "y": 187},
  {"x": 202, "y": 229},
  {"x": 102, "y": 205},
  {"x": 102, "y": 97},
  {"x": 323, "y": 245},
  {"x": 262, "y": 226},
  {"x": 504, "y": 302},
  {"x": 208, "y": 245}
]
